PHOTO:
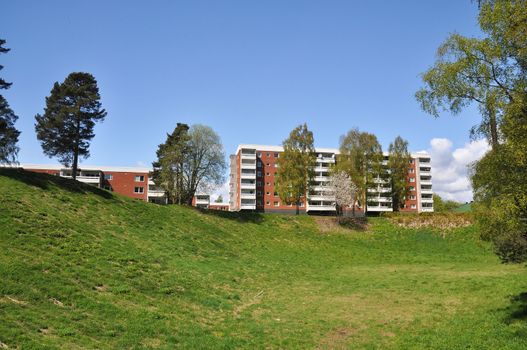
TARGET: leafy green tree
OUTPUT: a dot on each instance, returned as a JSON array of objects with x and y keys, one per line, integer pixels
[
  {"x": 67, "y": 125},
  {"x": 8, "y": 133},
  {"x": 441, "y": 205},
  {"x": 361, "y": 158},
  {"x": 168, "y": 169},
  {"x": 190, "y": 159},
  {"x": 398, "y": 165},
  {"x": 296, "y": 165},
  {"x": 493, "y": 72},
  {"x": 204, "y": 165},
  {"x": 219, "y": 199}
]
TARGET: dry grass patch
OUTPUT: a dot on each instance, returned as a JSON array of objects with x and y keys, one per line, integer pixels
[
  {"x": 327, "y": 224},
  {"x": 442, "y": 221}
]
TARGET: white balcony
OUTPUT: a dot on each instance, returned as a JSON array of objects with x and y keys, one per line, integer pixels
[
  {"x": 425, "y": 173},
  {"x": 325, "y": 159},
  {"x": 248, "y": 186},
  {"x": 425, "y": 182},
  {"x": 156, "y": 193},
  {"x": 86, "y": 179},
  {"x": 383, "y": 199},
  {"x": 427, "y": 209},
  {"x": 317, "y": 197},
  {"x": 248, "y": 195},
  {"x": 248, "y": 176},
  {"x": 378, "y": 208},
  {"x": 320, "y": 207},
  {"x": 427, "y": 200},
  {"x": 321, "y": 178},
  {"x": 427, "y": 191},
  {"x": 248, "y": 156},
  {"x": 248, "y": 206},
  {"x": 248, "y": 165}
]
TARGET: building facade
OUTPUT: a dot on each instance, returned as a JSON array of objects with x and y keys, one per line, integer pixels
[
  {"x": 252, "y": 183},
  {"x": 133, "y": 182}
]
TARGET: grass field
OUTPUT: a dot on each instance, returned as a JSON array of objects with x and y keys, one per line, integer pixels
[{"x": 83, "y": 269}]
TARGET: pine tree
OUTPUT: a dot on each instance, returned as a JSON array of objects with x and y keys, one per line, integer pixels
[
  {"x": 398, "y": 166},
  {"x": 8, "y": 133},
  {"x": 168, "y": 169},
  {"x": 66, "y": 127},
  {"x": 296, "y": 166}
]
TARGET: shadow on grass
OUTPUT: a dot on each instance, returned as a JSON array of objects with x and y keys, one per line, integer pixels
[
  {"x": 355, "y": 224},
  {"x": 252, "y": 217},
  {"x": 517, "y": 310},
  {"x": 45, "y": 181}
]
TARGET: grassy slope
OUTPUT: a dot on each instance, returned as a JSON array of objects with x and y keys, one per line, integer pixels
[
  {"x": 80, "y": 268},
  {"x": 463, "y": 208}
]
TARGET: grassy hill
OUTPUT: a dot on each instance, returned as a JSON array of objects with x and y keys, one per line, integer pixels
[
  {"x": 463, "y": 208},
  {"x": 81, "y": 268}
]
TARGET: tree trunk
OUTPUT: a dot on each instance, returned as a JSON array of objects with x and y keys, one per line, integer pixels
[
  {"x": 493, "y": 130},
  {"x": 297, "y": 207},
  {"x": 75, "y": 164}
]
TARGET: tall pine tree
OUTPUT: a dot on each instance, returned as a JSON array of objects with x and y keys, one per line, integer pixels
[
  {"x": 66, "y": 127},
  {"x": 8, "y": 133}
]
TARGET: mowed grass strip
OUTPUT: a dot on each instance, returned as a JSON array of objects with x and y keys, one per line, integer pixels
[{"x": 81, "y": 268}]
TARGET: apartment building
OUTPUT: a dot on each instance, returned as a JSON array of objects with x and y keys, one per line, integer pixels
[
  {"x": 133, "y": 182},
  {"x": 252, "y": 183}
]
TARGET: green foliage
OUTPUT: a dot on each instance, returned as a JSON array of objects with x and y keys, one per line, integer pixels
[
  {"x": 296, "y": 164},
  {"x": 168, "y": 169},
  {"x": 8, "y": 133},
  {"x": 398, "y": 165},
  {"x": 361, "y": 158},
  {"x": 85, "y": 268},
  {"x": 67, "y": 125},
  {"x": 441, "y": 205},
  {"x": 190, "y": 159},
  {"x": 493, "y": 72},
  {"x": 219, "y": 199}
]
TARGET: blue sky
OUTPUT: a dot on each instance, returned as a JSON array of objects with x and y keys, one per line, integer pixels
[{"x": 252, "y": 70}]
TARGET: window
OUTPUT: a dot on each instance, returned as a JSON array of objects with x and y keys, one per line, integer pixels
[
  {"x": 268, "y": 154},
  {"x": 413, "y": 206},
  {"x": 410, "y": 171},
  {"x": 258, "y": 173},
  {"x": 268, "y": 183},
  {"x": 412, "y": 188},
  {"x": 259, "y": 164},
  {"x": 412, "y": 197},
  {"x": 267, "y": 174},
  {"x": 411, "y": 161},
  {"x": 276, "y": 165},
  {"x": 259, "y": 193},
  {"x": 268, "y": 164},
  {"x": 276, "y": 155},
  {"x": 412, "y": 179},
  {"x": 139, "y": 189},
  {"x": 259, "y": 154},
  {"x": 139, "y": 178},
  {"x": 290, "y": 205},
  {"x": 258, "y": 183},
  {"x": 267, "y": 203},
  {"x": 275, "y": 194},
  {"x": 276, "y": 204},
  {"x": 108, "y": 177},
  {"x": 301, "y": 204},
  {"x": 268, "y": 193}
]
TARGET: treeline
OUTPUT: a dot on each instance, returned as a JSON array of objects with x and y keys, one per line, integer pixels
[
  {"x": 491, "y": 72},
  {"x": 359, "y": 167},
  {"x": 191, "y": 159}
]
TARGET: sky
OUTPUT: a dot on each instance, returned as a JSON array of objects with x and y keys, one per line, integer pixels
[{"x": 251, "y": 70}]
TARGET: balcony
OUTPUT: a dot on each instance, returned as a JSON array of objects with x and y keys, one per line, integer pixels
[
  {"x": 319, "y": 197},
  {"x": 248, "y": 195},
  {"x": 378, "y": 208},
  {"x": 326, "y": 159},
  {"x": 427, "y": 200},
  {"x": 320, "y": 207},
  {"x": 248, "y": 176},
  {"x": 157, "y": 193},
  {"x": 245, "y": 186},
  {"x": 425, "y": 182},
  {"x": 248, "y": 165},
  {"x": 427, "y": 191},
  {"x": 321, "y": 178}
]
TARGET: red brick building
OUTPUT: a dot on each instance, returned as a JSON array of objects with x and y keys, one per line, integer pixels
[{"x": 252, "y": 183}]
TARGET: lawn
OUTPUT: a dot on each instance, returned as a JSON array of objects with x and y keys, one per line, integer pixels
[{"x": 81, "y": 268}]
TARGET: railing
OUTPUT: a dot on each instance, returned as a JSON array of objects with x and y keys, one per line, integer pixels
[{"x": 320, "y": 207}]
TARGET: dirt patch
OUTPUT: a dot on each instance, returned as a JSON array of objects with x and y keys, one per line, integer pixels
[
  {"x": 442, "y": 221},
  {"x": 337, "y": 339},
  {"x": 328, "y": 224}
]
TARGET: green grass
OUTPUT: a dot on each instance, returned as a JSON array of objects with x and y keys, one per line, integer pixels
[
  {"x": 463, "y": 208},
  {"x": 83, "y": 269}
]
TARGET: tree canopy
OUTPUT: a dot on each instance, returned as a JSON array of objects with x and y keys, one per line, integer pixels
[
  {"x": 296, "y": 164},
  {"x": 67, "y": 125},
  {"x": 398, "y": 161},
  {"x": 8, "y": 132}
]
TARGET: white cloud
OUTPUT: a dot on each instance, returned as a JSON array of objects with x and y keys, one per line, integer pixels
[{"x": 450, "y": 167}]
